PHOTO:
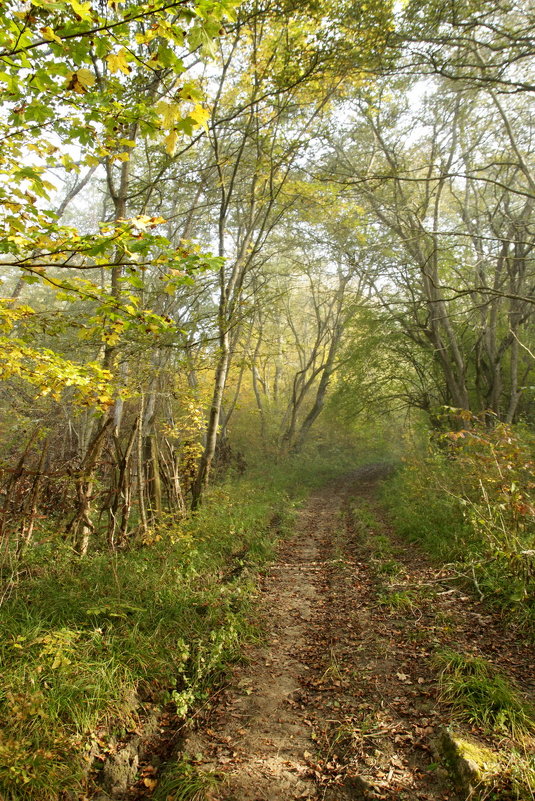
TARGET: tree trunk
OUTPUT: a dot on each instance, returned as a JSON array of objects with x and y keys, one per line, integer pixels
[{"x": 205, "y": 464}]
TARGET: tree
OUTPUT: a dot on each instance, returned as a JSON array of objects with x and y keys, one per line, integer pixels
[
  {"x": 83, "y": 85},
  {"x": 266, "y": 110},
  {"x": 461, "y": 275},
  {"x": 484, "y": 45}
]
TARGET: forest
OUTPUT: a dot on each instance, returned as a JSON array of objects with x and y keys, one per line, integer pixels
[{"x": 267, "y": 400}]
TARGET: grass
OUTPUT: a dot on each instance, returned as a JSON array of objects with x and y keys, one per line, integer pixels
[
  {"x": 410, "y": 600},
  {"x": 424, "y": 513},
  {"x": 363, "y": 520},
  {"x": 184, "y": 781},
  {"x": 520, "y": 768},
  {"x": 483, "y": 696},
  {"x": 504, "y": 579},
  {"x": 333, "y": 670},
  {"x": 477, "y": 520},
  {"x": 86, "y": 642},
  {"x": 398, "y": 601},
  {"x": 486, "y": 773},
  {"x": 390, "y": 567},
  {"x": 362, "y": 517},
  {"x": 79, "y": 654}
]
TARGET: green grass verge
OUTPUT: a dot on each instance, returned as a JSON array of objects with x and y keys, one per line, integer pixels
[
  {"x": 483, "y": 696},
  {"x": 426, "y": 505},
  {"x": 84, "y": 640},
  {"x": 422, "y": 511}
]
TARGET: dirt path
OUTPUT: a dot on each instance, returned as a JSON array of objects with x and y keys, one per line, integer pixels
[
  {"x": 259, "y": 734},
  {"x": 341, "y": 701}
]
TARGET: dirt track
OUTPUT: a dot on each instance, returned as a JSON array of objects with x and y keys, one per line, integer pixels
[{"x": 341, "y": 701}]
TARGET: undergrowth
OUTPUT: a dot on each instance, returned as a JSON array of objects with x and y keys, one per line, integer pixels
[
  {"x": 87, "y": 641},
  {"x": 467, "y": 496}
]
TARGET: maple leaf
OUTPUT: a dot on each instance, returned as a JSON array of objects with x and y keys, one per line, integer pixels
[
  {"x": 85, "y": 77},
  {"x": 201, "y": 116},
  {"x": 117, "y": 62},
  {"x": 49, "y": 34},
  {"x": 170, "y": 113},
  {"x": 82, "y": 10}
]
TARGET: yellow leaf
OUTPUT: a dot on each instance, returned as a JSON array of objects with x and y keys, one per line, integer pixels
[
  {"x": 80, "y": 80},
  {"x": 85, "y": 77},
  {"x": 144, "y": 38},
  {"x": 69, "y": 163},
  {"x": 82, "y": 10},
  {"x": 117, "y": 62},
  {"x": 111, "y": 339},
  {"x": 201, "y": 116},
  {"x": 169, "y": 112},
  {"x": 49, "y": 35},
  {"x": 171, "y": 141},
  {"x": 164, "y": 29}
]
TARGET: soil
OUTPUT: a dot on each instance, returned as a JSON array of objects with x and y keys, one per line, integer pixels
[{"x": 341, "y": 699}]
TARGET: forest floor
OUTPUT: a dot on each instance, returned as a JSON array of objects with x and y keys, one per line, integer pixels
[{"x": 341, "y": 699}]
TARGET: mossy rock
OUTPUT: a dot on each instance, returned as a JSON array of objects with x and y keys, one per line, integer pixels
[{"x": 474, "y": 767}]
